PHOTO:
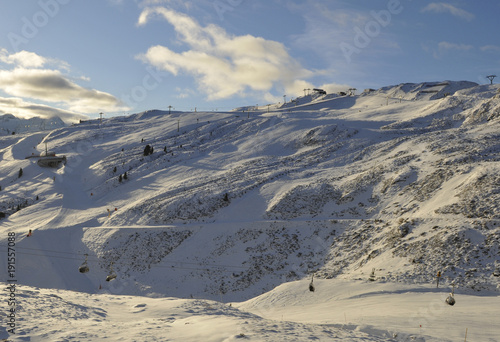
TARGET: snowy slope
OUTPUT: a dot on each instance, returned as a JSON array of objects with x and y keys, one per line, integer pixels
[
  {"x": 69, "y": 316},
  {"x": 388, "y": 310},
  {"x": 402, "y": 181},
  {"x": 337, "y": 311}
]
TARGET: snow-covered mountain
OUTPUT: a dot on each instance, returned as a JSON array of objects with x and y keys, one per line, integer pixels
[
  {"x": 390, "y": 186},
  {"x": 10, "y": 124}
]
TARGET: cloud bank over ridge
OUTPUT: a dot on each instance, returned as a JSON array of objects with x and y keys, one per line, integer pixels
[{"x": 36, "y": 86}]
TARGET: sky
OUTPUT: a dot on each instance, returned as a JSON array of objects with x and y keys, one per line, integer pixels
[{"x": 77, "y": 59}]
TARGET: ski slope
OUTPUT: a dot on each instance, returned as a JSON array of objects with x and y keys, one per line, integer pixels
[
  {"x": 338, "y": 310},
  {"x": 244, "y": 207}
]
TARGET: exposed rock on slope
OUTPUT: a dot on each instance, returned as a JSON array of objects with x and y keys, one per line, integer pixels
[{"x": 403, "y": 180}]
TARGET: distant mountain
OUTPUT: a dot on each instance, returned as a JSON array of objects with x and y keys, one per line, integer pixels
[{"x": 10, "y": 124}]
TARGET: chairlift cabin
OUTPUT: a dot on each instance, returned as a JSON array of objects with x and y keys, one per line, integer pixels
[
  {"x": 112, "y": 274},
  {"x": 84, "y": 268},
  {"x": 450, "y": 300},
  {"x": 311, "y": 285}
]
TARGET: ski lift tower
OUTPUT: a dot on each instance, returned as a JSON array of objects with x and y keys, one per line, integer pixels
[{"x": 491, "y": 78}]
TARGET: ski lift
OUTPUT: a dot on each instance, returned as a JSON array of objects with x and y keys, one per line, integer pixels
[
  {"x": 112, "y": 274},
  {"x": 84, "y": 268},
  {"x": 450, "y": 300},
  {"x": 311, "y": 285}
]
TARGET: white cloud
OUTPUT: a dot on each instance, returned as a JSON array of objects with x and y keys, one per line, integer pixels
[
  {"x": 332, "y": 32},
  {"x": 51, "y": 86},
  {"x": 441, "y": 7},
  {"x": 27, "y": 59},
  {"x": 22, "y": 58},
  {"x": 30, "y": 78},
  {"x": 490, "y": 48},
  {"x": 222, "y": 64},
  {"x": 23, "y": 109},
  {"x": 445, "y": 46}
]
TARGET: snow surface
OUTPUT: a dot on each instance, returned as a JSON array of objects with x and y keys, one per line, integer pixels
[
  {"x": 373, "y": 194},
  {"x": 9, "y": 124}
]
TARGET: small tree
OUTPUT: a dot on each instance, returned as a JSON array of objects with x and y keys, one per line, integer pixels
[
  {"x": 114, "y": 169},
  {"x": 120, "y": 178},
  {"x": 125, "y": 176},
  {"x": 20, "y": 172}
]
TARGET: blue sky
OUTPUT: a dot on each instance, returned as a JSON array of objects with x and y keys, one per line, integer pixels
[{"x": 79, "y": 58}]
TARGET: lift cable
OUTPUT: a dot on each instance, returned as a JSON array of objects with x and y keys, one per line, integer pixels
[{"x": 78, "y": 256}]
